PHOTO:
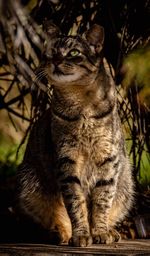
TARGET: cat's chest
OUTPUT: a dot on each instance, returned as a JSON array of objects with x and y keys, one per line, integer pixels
[
  {"x": 93, "y": 133},
  {"x": 94, "y": 145},
  {"x": 86, "y": 135},
  {"x": 88, "y": 142}
]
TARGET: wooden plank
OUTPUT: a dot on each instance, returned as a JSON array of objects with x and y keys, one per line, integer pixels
[{"x": 123, "y": 248}]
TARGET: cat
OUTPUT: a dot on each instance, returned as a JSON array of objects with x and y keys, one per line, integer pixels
[{"x": 75, "y": 178}]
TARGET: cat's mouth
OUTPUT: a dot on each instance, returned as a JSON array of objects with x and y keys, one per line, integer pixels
[
  {"x": 58, "y": 71},
  {"x": 58, "y": 75}
]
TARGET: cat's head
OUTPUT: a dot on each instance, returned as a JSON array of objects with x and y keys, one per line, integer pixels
[{"x": 72, "y": 59}]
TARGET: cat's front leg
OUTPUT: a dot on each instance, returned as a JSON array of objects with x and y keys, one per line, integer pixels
[
  {"x": 102, "y": 198},
  {"x": 75, "y": 202}
]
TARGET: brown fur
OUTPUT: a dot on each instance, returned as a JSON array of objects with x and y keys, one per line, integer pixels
[{"x": 75, "y": 177}]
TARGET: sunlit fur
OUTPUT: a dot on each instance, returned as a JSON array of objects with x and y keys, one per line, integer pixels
[{"x": 75, "y": 178}]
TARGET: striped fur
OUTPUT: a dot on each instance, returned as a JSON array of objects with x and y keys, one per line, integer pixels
[{"x": 76, "y": 177}]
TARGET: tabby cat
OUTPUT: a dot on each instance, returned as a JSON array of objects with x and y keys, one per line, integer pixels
[{"x": 75, "y": 178}]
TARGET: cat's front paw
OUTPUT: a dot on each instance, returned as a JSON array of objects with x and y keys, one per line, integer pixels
[
  {"x": 81, "y": 241},
  {"x": 107, "y": 237}
]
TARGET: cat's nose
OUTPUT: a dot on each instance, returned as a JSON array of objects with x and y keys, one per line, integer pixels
[{"x": 57, "y": 59}]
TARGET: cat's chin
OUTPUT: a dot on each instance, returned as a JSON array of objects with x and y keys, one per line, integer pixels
[{"x": 65, "y": 78}]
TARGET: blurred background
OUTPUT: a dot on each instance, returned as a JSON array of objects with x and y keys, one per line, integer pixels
[{"x": 23, "y": 97}]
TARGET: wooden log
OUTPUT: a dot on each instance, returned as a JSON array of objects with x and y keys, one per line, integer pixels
[{"x": 123, "y": 248}]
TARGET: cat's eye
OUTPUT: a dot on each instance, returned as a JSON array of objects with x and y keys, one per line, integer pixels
[{"x": 74, "y": 53}]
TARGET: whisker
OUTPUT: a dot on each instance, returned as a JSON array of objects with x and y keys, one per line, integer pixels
[{"x": 39, "y": 75}]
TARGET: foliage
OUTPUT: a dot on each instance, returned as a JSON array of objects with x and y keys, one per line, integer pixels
[
  {"x": 22, "y": 37},
  {"x": 137, "y": 68},
  {"x": 9, "y": 160}
]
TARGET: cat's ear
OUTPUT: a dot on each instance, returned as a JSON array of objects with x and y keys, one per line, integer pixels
[
  {"x": 95, "y": 37},
  {"x": 51, "y": 32},
  {"x": 50, "y": 29}
]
